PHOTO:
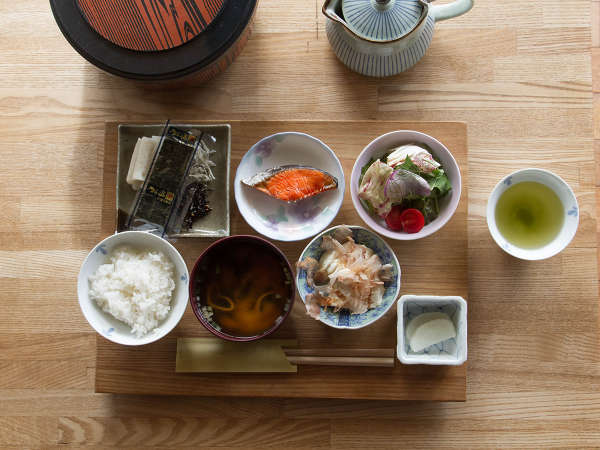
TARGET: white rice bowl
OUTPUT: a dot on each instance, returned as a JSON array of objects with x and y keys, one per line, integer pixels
[{"x": 133, "y": 288}]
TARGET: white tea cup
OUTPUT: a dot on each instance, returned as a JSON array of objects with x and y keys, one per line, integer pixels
[{"x": 564, "y": 193}]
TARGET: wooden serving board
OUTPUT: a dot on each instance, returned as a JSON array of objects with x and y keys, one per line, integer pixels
[{"x": 436, "y": 265}]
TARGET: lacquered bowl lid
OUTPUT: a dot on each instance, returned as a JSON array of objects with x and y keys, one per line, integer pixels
[
  {"x": 149, "y": 25},
  {"x": 186, "y": 58}
]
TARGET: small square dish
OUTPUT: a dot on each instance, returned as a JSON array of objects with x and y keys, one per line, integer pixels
[
  {"x": 450, "y": 352},
  {"x": 216, "y": 223}
]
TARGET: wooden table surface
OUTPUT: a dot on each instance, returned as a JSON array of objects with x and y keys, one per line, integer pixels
[{"x": 518, "y": 73}]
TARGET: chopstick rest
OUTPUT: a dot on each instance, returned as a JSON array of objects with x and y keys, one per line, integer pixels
[
  {"x": 213, "y": 355},
  {"x": 206, "y": 355}
]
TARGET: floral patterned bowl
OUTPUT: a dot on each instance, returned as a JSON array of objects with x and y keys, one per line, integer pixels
[
  {"x": 567, "y": 198},
  {"x": 288, "y": 221},
  {"x": 343, "y": 319},
  {"x": 105, "y": 324}
]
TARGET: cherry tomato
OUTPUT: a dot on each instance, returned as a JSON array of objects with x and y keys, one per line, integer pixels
[
  {"x": 393, "y": 219},
  {"x": 412, "y": 220}
]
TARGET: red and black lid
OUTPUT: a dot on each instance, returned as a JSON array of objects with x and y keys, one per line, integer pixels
[{"x": 152, "y": 39}]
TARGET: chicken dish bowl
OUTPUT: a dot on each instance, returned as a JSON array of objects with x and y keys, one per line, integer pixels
[{"x": 348, "y": 277}]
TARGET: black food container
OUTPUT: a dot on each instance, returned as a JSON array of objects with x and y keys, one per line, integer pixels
[{"x": 157, "y": 40}]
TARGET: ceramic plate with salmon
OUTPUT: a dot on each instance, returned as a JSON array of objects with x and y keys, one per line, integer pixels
[
  {"x": 289, "y": 186},
  {"x": 292, "y": 183}
]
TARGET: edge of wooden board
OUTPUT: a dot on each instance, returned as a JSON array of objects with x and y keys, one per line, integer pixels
[{"x": 107, "y": 379}]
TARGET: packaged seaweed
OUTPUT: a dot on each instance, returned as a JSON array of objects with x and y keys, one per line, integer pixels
[
  {"x": 173, "y": 194},
  {"x": 193, "y": 202},
  {"x": 156, "y": 200}
]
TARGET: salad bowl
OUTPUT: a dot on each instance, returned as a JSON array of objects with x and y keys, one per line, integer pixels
[
  {"x": 343, "y": 319},
  {"x": 380, "y": 147}
]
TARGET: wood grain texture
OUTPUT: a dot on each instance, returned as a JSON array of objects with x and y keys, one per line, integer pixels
[
  {"x": 126, "y": 370},
  {"x": 518, "y": 73}
]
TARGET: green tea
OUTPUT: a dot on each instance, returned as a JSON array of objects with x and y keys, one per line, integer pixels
[{"x": 529, "y": 215}]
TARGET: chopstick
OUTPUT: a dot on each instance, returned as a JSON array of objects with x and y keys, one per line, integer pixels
[
  {"x": 341, "y": 357},
  {"x": 341, "y": 361},
  {"x": 361, "y": 352}
]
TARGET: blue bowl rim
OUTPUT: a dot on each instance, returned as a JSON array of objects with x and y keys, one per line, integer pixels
[{"x": 377, "y": 236}]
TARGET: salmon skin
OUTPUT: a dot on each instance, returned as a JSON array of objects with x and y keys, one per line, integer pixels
[{"x": 292, "y": 183}]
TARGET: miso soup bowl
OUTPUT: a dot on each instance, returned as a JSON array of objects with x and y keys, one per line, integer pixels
[
  {"x": 569, "y": 204},
  {"x": 226, "y": 245}
]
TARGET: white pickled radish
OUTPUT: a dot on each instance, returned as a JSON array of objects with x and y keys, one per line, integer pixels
[
  {"x": 429, "y": 329},
  {"x": 420, "y": 320},
  {"x": 134, "y": 156},
  {"x": 144, "y": 159}
]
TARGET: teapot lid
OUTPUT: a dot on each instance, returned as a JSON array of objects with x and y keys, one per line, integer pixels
[{"x": 382, "y": 20}]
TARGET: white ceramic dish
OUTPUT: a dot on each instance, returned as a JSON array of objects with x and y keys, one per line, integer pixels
[
  {"x": 277, "y": 219},
  {"x": 343, "y": 319},
  {"x": 567, "y": 198},
  {"x": 452, "y": 352},
  {"x": 104, "y": 323},
  {"x": 215, "y": 224},
  {"x": 379, "y": 147}
]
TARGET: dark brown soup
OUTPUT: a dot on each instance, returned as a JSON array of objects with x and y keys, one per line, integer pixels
[{"x": 247, "y": 286}]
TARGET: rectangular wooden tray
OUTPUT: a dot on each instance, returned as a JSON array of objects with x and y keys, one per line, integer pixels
[{"x": 436, "y": 265}]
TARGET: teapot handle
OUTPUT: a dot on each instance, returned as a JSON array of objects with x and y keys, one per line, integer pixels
[{"x": 454, "y": 9}]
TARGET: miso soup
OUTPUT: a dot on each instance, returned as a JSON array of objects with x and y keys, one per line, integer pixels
[{"x": 246, "y": 285}]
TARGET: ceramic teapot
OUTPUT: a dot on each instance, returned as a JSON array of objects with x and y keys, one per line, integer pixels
[{"x": 381, "y": 38}]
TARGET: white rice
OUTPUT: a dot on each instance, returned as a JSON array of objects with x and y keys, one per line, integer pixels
[{"x": 135, "y": 287}]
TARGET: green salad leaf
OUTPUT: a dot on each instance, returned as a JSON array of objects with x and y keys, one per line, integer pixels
[
  {"x": 439, "y": 183},
  {"x": 369, "y": 207},
  {"x": 440, "y": 186},
  {"x": 429, "y": 206},
  {"x": 410, "y": 166},
  {"x": 365, "y": 168},
  {"x": 431, "y": 209}
]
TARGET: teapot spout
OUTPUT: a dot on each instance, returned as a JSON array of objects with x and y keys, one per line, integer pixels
[{"x": 332, "y": 9}]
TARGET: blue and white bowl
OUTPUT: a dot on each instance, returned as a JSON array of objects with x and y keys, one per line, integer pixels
[
  {"x": 277, "y": 219},
  {"x": 343, "y": 319},
  {"x": 564, "y": 193},
  {"x": 451, "y": 352},
  {"x": 105, "y": 324}
]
